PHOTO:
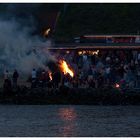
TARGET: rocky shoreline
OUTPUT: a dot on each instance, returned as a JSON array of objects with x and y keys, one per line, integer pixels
[{"x": 76, "y": 96}]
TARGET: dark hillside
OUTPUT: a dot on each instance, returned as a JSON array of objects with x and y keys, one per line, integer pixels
[{"x": 80, "y": 19}]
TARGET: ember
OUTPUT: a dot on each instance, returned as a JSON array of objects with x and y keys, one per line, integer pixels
[{"x": 65, "y": 69}]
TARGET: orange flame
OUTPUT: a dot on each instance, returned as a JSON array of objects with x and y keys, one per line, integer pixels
[
  {"x": 50, "y": 76},
  {"x": 47, "y": 32},
  {"x": 65, "y": 69}
]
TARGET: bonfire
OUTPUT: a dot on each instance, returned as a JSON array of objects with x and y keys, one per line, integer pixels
[{"x": 65, "y": 68}]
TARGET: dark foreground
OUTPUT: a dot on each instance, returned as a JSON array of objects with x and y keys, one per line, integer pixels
[
  {"x": 69, "y": 120},
  {"x": 76, "y": 96}
]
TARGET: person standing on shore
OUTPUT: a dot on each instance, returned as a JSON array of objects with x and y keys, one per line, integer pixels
[
  {"x": 7, "y": 82},
  {"x": 15, "y": 78},
  {"x": 34, "y": 76}
]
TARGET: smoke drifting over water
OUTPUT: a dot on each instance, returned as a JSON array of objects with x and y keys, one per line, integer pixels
[{"x": 18, "y": 48}]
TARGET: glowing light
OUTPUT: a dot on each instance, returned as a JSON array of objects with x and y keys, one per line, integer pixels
[
  {"x": 67, "y": 52},
  {"x": 95, "y": 52},
  {"x": 65, "y": 69},
  {"x": 117, "y": 85},
  {"x": 47, "y": 32},
  {"x": 88, "y": 52},
  {"x": 80, "y": 53},
  {"x": 67, "y": 114},
  {"x": 50, "y": 75}
]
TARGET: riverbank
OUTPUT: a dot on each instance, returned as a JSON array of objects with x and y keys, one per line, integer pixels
[{"x": 76, "y": 96}]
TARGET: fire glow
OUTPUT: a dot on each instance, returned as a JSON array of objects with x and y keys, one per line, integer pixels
[
  {"x": 50, "y": 76},
  {"x": 47, "y": 32},
  {"x": 117, "y": 85},
  {"x": 88, "y": 52},
  {"x": 65, "y": 68}
]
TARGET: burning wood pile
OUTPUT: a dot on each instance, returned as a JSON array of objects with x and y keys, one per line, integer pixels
[
  {"x": 65, "y": 68},
  {"x": 53, "y": 77}
]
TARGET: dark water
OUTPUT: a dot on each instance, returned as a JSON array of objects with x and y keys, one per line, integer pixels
[{"x": 69, "y": 120}]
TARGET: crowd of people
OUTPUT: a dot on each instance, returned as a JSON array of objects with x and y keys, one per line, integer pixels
[{"x": 118, "y": 68}]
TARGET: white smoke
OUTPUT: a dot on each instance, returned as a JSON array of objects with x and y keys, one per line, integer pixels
[{"x": 18, "y": 48}]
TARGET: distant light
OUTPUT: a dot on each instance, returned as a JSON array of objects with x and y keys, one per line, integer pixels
[
  {"x": 88, "y": 52},
  {"x": 117, "y": 85},
  {"x": 67, "y": 52}
]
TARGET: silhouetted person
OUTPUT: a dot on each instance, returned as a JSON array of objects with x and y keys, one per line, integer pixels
[
  {"x": 34, "y": 78},
  {"x": 44, "y": 78},
  {"x": 7, "y": 82},
  {"x": 15, "y": 78},
  {"x": 56, "y": 79}
]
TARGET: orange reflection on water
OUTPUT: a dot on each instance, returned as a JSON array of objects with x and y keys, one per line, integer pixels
[{"x": 67, "y": 114}]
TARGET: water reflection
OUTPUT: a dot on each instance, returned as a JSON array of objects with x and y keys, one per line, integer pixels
[{"x": 68, "y": 116}]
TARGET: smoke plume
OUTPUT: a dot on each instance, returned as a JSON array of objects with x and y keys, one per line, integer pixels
[{"x": 19, "y": 49}]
